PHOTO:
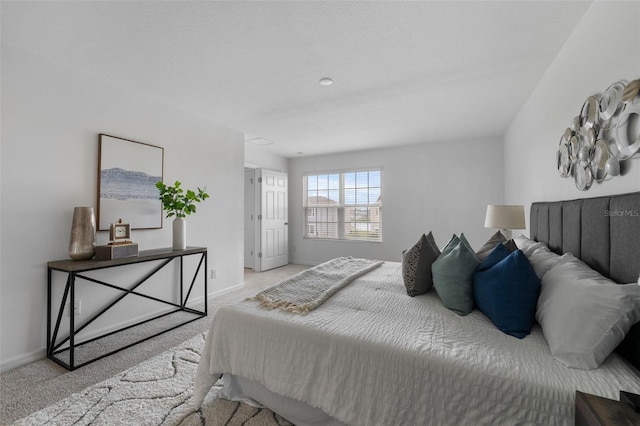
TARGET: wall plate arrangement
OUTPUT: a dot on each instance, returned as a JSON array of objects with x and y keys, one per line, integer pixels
[{"x": 606, "y": 132}]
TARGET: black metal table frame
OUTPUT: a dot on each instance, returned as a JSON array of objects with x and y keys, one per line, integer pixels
[{"x": 165, "y": 256}]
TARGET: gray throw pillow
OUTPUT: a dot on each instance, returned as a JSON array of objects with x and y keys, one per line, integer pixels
[
  {"x": 583, "y": 315},
  {"x": 453, "y": 276},
  {"x": 416, "y": 265},
  {"x": 491, "y": 243},
  {"x": 511, "y": 246}
]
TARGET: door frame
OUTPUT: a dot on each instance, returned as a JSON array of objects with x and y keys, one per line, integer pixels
[
  {"x": 251, "y": 172},
  {"x": 257, "y": 211}
]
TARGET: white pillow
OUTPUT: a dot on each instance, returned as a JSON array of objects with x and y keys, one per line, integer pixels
[
  {"x": 526, "y": 245},
  {"x": 542, "y": 259},
  {"x": 584, "y": 316}
]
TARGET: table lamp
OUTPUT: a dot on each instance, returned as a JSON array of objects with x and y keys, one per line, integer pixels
[{"x": 505, "y": 218}]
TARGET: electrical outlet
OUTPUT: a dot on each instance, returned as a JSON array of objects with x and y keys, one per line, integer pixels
[
  {"x": 213, "y": 273},
  {"x": 77, "y": 308}
]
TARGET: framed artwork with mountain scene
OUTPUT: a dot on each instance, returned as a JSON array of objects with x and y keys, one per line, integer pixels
[{"x": 127, "y": 176}]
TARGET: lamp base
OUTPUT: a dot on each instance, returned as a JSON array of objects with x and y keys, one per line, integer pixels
[{"x": 506, "y": 233}]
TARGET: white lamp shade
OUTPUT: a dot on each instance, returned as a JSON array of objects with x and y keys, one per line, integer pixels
[{"x": 504, "y": 217}]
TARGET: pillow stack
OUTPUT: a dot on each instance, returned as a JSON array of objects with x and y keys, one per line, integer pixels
[{"x": 583, "y": 315}]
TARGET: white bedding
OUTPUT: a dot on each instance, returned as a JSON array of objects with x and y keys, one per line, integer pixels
[{"x": 371, "y": 355}]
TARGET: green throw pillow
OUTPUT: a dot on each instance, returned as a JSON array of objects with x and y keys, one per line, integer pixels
[{"x": 453, "y": 275}]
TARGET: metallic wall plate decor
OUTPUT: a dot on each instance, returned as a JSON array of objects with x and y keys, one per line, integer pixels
[
  {"x": 631, "y": 91},
  {"x": 583, "y": 177},
  {"x": 610, "y": 101},
  {"x": 612, "y": 167},
  {"x": 628, "y": 144},
  {"x": 564, "y": 164},
  {"x": 587, "y": 136},
  {"x": 574, "y": 148},
  {"x": 589, "y": 113},
  {"x": 599, "y": 161},
  {"x": 606, "y": 132}
]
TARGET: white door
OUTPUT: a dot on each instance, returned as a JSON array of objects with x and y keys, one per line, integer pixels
[
  {"x": 274, "y": 245},
  {"x": 249, "y": 217}
]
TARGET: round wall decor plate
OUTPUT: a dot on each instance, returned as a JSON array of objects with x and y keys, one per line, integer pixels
[
  {"x": 610, "y": 101},
  {"x": 589, "y": 113},
  {"x": 631, "y": 91},
  {"x": 587, "y": 136},
  {"x": 583, "y": 177},
  {"x": 562, "y": 157},
  {"x": 628, "y": 130},
  {"x": 599, "y": 160},
  {"x": 574, "y": 148},
  {"x": 575, "y": 124}
]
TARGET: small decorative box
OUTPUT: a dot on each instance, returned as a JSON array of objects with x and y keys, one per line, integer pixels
[{"x": 116, "y": 251}]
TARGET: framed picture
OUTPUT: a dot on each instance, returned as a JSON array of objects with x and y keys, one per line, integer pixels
[{"x": 127, "y": 176}]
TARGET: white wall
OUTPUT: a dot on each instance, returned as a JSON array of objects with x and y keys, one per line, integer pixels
[
  {"x": 591, "y": 60},
  {"x": 51, "y": 118},
  {"x": 255, "y": 158},
  {"x": 442, "y": 187}
]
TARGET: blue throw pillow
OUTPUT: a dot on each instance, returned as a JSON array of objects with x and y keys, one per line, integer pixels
[
  {"x": 453, "y": 275},
  {"x": 507, "y": 293},
  {"x": 498, "y": 253}
]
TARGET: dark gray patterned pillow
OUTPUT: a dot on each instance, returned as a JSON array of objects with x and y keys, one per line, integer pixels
[
  {"x": 491, "y": 243},
  {"x": 416, "y": 265}
]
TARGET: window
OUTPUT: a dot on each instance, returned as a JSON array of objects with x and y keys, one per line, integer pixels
[{"x": 343, "y": 205}]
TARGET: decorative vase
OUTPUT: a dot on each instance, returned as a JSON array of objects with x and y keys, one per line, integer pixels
[
  {"x": 82, "y": 242},
  {"x": 179, "y": 233}
]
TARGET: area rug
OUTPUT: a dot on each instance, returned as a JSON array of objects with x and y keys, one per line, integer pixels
[{"x": 155, "y": 392}]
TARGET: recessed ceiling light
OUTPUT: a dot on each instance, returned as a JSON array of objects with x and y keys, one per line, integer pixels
[
  {"x": 326, "y": 81},
  {"x": 260, "y": 141},
  {"x": 300, "y": 153}
]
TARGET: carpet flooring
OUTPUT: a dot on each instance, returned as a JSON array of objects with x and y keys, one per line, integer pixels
[
  {"x": 156, "y": 392},
  {"x": 43, "y": 383}
]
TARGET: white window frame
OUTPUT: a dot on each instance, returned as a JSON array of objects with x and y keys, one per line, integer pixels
[{"x": 342, "y": 206}]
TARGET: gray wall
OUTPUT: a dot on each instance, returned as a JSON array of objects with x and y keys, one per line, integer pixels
[
  {"x": 588, "y": 63},
  {"x": 51, "y": 117},
  {"x": 442, "y": 187}
]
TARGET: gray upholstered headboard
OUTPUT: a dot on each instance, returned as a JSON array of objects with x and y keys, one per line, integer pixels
[{"x": 604, "y": 233}]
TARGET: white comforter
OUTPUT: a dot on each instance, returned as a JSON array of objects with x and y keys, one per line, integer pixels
[{"x": 371, "y": 355}]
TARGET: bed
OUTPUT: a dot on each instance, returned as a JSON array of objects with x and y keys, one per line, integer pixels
[{"x": 371, "y": 355}]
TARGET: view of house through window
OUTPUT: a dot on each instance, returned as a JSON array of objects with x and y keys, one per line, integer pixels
[{"x": 343, "y": 205}]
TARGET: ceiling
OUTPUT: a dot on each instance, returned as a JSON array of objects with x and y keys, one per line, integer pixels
[{"x": 404, "y": 72}]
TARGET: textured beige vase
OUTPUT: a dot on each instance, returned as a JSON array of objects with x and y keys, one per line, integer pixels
[{"x": 82, "y": 242}]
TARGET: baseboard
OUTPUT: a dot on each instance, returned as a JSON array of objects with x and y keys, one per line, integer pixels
[
  {"x": 305, "y": 262},
  {"x": 222, "y": 292},
  {"x": 24, "y": 359},
  {"x": 38, "y": 354}
]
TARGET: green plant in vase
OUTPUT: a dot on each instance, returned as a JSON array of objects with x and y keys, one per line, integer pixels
[{"x": 178, "y": 203}]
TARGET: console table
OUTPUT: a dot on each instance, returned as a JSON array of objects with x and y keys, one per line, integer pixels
[{"x": 75, "y": 269}]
